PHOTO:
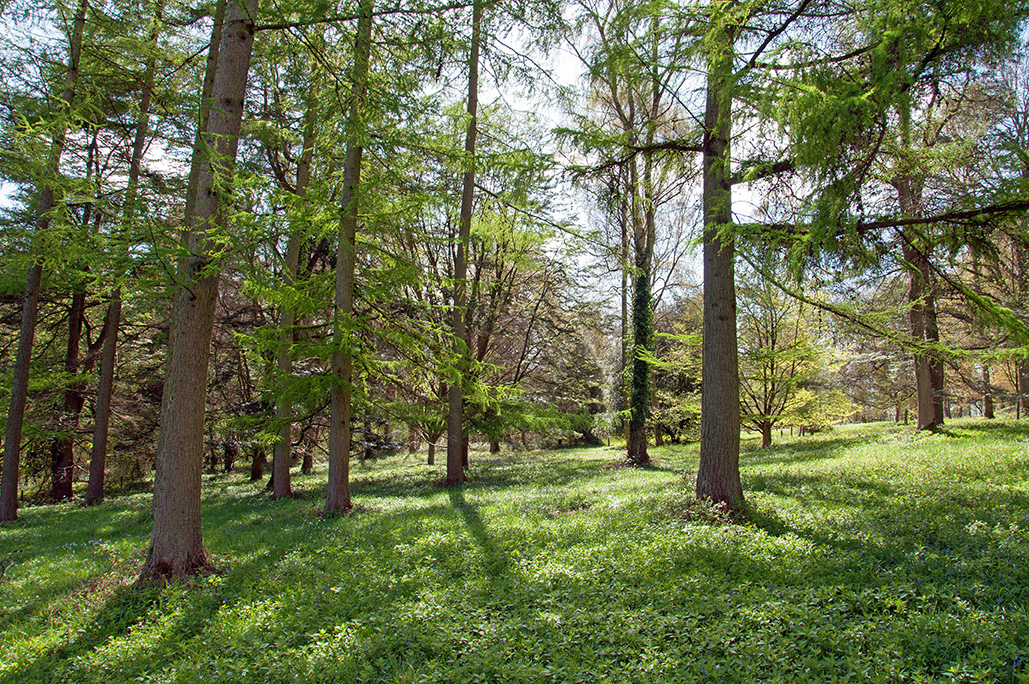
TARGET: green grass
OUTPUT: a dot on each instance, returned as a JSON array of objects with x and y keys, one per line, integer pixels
[{"x": 870, "y": 554}]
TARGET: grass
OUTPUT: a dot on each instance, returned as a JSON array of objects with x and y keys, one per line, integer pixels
[{"x": 870, "y": 554}]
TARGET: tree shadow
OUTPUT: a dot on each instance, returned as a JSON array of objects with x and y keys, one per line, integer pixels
[{"x": 496, "y": 563}]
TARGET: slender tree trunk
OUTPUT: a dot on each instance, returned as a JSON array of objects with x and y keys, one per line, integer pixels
[
  {"x": 284, "y": 362},
  {"x": 988, "y": 411},
  {"x": 338, "y": 491},
  {"x": 62, "y": 453},
  {"x": 456, "y": 454},
  {"x": 112, "y": 319},
  {"x": 30, "y": 305},
  {"x": 718, "y": 474},
  {"x": 431, "y": 460},
  {"x": 176, "y": 546}
]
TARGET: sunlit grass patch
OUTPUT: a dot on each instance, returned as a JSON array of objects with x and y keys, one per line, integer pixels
[{"x": 867, "y": 553}]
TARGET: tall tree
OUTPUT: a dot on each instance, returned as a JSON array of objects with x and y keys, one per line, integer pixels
[
  {"x": 338, "y": 493},
  {"x": 455, "y": 396},
  {"x": 718, "y": 474},
  {"x": 47, "y": 205},
  {"x": 176, "y": 546},
  {"x": 112, "y": 319}
]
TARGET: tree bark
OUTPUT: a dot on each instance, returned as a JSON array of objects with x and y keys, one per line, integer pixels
[
  {"x": 988, "y": 411},
  {"x": 30, "y": 305},
  {"x": 287, "y": 318},
  {"x": 718, "y": 474},
  {"x": 338, "y": 490},
  {"x": 62, "y": 453},
  {"x": 176, "y": 546},
  {"x": 456, "y": 454},
  {"x": 916, "y": 320},
  {"x": 112, "y": 319},
  {"x": 766, "y": 434}
]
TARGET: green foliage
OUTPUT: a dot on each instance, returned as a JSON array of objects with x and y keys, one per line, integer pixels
[{"x": 871, "y": 554}]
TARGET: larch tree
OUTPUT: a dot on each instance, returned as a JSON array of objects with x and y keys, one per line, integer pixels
[
  {"x": 338, "y": 491},
  {"x": 176, "y": 546},
  {"x": 112, "y": 319},
  {"x": 47, "y": 204}
]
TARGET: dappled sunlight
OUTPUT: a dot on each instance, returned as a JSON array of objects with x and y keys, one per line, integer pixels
[{"x": 859, "y": 551}]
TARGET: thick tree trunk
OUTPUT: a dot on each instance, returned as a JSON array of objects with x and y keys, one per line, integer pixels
[
  {"x": 338, "y": 491},
  {"x": 176, "y": 546},
  {"x": 718, "y": 474},
  {"x": 431, "y": 460},
  {"x": 257, "y": 462},
  {"x": 112, "y": 319},
  {"x": 30, "y": 306},
  {"x": 456, "y": 453},
  {"x": 62, "y": 453}
]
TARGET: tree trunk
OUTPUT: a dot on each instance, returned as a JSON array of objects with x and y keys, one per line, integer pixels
[
  {"x": 30, "y": 305},
  {"x": 176, "y": 546},
  {"x": 639, "y": 389},
  {"x": 431, "y": 460},
  {"x": 988, "y": 411},
  {"x": 718, "y": 473},
  {"x": 257, "y": 463},
  {"x": 766, "y": 434},
  {"x": 456, "y": 454},
  {"x": 916, "y": 319},
  {"x": 62, "y": 453},
  {"x": 338, "y": 492},
  {"x": 112, "y": 319},
  {"x": 287, "y": 318}
]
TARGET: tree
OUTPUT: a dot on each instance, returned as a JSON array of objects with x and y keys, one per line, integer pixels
[
  {"x": 338, "y": 493},
  {"x": 777, "y": 356},
  {"x": 176, "y": 546},
  {"x": 112, "y": 319},
  {"x": 47, "y": 204}
]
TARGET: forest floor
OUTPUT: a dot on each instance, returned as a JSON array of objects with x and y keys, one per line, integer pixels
[{"x": 869, "y": 554}]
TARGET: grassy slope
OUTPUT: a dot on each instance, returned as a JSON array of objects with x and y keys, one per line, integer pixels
[{"x": 872, "y": 554}]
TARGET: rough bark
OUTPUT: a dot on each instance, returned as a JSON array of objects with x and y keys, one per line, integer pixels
[
  {"x": 718, "y": 473},
  {"x": 30, "y": 305},
  {"x": 338, "y": 490},
  {"x": 916, "y": 321},
  {"x": 176, "y": 546},
  {"x": 112, "y": 319},
  {"x": 456, "y": 454}
]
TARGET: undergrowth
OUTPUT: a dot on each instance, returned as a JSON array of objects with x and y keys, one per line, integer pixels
[{"x": 868, "y": 554}]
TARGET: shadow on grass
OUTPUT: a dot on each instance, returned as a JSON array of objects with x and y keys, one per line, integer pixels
[{"x": 496, "y": 563}]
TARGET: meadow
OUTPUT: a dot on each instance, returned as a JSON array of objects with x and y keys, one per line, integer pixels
[{"x": 868, "y": 553}]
